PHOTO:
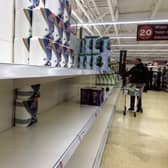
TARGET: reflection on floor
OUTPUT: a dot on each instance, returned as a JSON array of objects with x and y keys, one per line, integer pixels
[{"x": 140, "y": 142}]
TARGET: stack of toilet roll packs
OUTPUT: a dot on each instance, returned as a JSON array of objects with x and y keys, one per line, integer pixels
[
  {"x": 23, "y": 31},
  {"x": 43, "y": 33}
]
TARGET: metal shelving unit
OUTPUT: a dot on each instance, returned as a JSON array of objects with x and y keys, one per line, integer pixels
[
  {"x": 96, "y": 138},
  {"x": 53, "y": 141}
]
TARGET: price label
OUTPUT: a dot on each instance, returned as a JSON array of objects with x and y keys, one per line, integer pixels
[{"x": 145, "y": 32}]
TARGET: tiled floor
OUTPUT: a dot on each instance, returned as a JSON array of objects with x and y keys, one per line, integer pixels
[{"x": 140, "y": 142}]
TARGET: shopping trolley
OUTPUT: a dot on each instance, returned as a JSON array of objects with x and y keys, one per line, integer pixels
[{"x": 132, "y": 89}]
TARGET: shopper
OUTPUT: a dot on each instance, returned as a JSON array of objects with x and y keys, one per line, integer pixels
[
  {"x": 163, "y": 78},
  {"x": 138, "y": 76},
  {"x": 159, "y": 79},
  {"x": 150, "y": 78},
  {"x": 146, "y": 88}
]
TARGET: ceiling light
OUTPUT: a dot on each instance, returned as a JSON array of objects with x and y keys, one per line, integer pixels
[
  {"x": 142, "y": 54},
  {"x": 80, "y": 20},
  {"x": 130, "y": 50},
  {"x": 122, "y": 37},
  {"x": 123, "y": 22},
  {"x": 139, "y": 45}
]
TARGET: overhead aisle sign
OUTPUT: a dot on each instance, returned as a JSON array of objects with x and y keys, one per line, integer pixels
[{"x": 152, "y": 32}]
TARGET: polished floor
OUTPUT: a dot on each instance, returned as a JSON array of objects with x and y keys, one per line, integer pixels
[{"x": 140, "y": 142}]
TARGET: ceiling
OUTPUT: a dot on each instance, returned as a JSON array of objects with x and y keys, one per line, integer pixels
[{"x": 85, "y": 11}]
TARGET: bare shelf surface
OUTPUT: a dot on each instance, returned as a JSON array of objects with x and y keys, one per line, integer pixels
[
  {"x": 88, "y": 154},
  {"x": 12, "y": 71},
  {"x": 50, "y": 141}
]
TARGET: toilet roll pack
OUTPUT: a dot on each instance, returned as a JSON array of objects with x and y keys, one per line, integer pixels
[
  {"x": 23, "y": 23},
  {"x": 56, "y": 54},
  {"x": 58, "y": 29},
  {"x": 71, "y": 62},
  {"x": 40, "y": 51},
  {"x": 21, "y": 51},
  {"x": 56, "y": 6},
  {"x": 43, "y": 23},
  {"x": 31, "y": 4},
  {"x": 66, "y": 55},
  {"x": 66, "y": 34},
  {"x": 67, "y": 11}
]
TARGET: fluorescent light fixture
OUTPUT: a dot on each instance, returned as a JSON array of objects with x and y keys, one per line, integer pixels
[
  {"x": 140, "y": 45},
  {"x": 81, "y": 21},
  {"x": 122, "y": 37},
  {"x": 144, "y": 53},
  {"x": 123, "y": 22},
  {"x": 86, "y": 14}
]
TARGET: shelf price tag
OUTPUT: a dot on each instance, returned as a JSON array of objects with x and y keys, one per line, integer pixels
[{"x": 152, "y": 32}]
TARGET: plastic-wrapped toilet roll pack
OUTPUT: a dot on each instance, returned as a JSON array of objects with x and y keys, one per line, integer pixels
[
  {"x": 66, "y": 54},
  {"x": 23, "y": 23},
  {"x": 40, "y": 51},
  {"x": 21, "y": 51},
  {"x": 56, "y": 6},
  {"x": 43, "y": 23},
  {"x": 67, "y": 11},
  {"x": 66, "y": 34},
  {"x": 71, "y": 59},
  {"x": 57, "y": 54},
  {"x": 58, "y": 29},
  {"x": 20, "y": 4}
]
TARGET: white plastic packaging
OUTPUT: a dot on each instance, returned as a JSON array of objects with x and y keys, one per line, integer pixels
[
  {"x": 23, "y": 23},
  {"x": 40, "y": 51},
  {"x": 21, "y": 50}
]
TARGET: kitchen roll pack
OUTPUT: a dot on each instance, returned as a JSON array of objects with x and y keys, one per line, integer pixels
[{"x": 27, "y": 105}]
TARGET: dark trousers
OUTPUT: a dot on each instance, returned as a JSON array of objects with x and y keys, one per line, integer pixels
[{"x": 139, "y": 102}]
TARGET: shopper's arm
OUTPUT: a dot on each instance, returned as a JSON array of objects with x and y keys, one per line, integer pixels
[{"x": 129, "y": 72}]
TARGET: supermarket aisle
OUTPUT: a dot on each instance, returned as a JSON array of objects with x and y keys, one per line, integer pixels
[{"x": 140, "y": 142}]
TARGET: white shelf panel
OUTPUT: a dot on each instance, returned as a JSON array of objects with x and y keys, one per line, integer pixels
[
  {"x": 51, "y": 142},
  {"x": 11, "y": 71},
  {"x": 89, "y": 152}
]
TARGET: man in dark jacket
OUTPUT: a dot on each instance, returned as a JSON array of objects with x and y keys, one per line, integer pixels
[{"x": 138, "y": 76}]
